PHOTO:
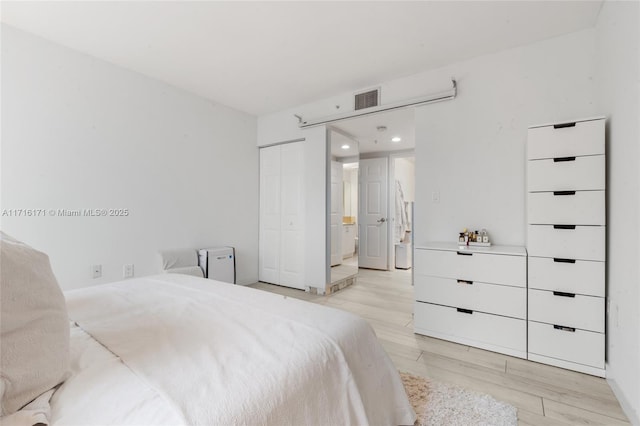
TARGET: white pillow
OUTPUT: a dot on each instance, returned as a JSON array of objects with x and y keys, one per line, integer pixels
[{"x": 34, "y": 326}]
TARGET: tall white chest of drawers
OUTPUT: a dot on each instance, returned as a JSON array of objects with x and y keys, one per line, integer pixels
[
  {"x": 566, "y": 245},
  {"x": 476, "y": 296}
]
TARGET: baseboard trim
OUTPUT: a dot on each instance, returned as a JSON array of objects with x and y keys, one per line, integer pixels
[{"x": 627, "y": 407}]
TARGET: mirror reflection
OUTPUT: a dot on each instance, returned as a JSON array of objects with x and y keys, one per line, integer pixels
[{"x": 343, "y": 208}]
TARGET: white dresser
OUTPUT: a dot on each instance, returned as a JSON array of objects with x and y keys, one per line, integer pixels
[
  {"x": 566, "y": 244},
  {"x": 475, "y": 296}
]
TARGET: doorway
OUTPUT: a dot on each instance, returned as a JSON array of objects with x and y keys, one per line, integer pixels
[{"x": 386, "y": 188}]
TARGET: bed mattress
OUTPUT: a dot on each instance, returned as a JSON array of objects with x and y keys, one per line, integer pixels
[{"x": 173, "y": 349}]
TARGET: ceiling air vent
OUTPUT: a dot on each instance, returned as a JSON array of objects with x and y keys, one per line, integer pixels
[{"x": 367, "y": 99}]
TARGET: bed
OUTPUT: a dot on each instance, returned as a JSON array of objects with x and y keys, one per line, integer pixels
[
  {"x": 182, "y": 350},
  {"x": 176, "y": 349}
]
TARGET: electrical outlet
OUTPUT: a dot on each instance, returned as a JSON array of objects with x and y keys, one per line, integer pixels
[
  {"x": 96, "y": 271},
  {"x": 435, "y": 196},
  {"x": 127, "y": 271}
]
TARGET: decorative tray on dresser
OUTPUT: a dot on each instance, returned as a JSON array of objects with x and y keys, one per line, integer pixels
[{"x": 473, "y": 296}]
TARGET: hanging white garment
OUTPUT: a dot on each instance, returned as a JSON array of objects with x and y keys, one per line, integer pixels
[{"x": 402, "y": 220}]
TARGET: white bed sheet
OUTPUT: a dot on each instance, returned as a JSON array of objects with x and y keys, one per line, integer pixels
[
  {"x": 103, "y": 391},
  {"x": 182, "y": 350}
]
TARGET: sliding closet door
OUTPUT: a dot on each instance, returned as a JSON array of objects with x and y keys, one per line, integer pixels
[
  {"x": 281, "y": 248},
  {"x": 270, "y": 217},
  {"x": 293, "y": 219}
]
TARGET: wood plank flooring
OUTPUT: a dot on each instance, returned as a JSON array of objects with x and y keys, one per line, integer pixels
[{"x": 544, "y": 395}]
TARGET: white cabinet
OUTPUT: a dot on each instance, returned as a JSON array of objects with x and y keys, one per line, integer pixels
[
  {"x": 282, "y": 215},
  {"x": 475, "y": 296},
  {"x": 566, "y": 208},
  {"x": 348, "y": 240},
  {"x": 566, "y": 243},
  {"x": 474, "y": 328},
  {"x": 566, "y": 347},
  {"x": 569, "y": 139},
  {"x": 476, "y": 264},
  {"x": 566, "y": 275},
  {"x": 569, "y": 173}
]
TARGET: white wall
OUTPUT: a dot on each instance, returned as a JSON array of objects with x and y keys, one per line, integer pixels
[
  {"x": 80, "y": 133},
  {"x": 618, "y": 91},
  {"x": 500, "y": 95},
  {"x": 472, "y": 150}
]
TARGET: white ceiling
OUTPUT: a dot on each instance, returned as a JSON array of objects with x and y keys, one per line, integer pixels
[
  {"x": 339, "y": 140},
  {"x": 261, "y": 57},
  {"x": 364, "y": 129}
]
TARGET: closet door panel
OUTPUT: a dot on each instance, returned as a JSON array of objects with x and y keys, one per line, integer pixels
[
  {"x": 270, "y": 213},
  {"x": 292, "y": 218}
]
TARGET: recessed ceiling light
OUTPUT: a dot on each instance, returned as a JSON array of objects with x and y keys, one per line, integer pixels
[
  {"x": 396, "y": 139},
  {"x": 345, "y": 146}
]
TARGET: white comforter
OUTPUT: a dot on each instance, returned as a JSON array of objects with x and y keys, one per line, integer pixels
[{"x": 216, "y": 353}]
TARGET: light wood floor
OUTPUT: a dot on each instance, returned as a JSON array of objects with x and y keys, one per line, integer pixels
[{"x": 544, "y": 395}]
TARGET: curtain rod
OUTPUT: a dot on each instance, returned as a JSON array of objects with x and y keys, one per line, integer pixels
[{"x": 423, "y": 100}]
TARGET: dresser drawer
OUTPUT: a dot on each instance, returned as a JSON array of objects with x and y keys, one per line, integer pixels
[
  {"x": 489, "y": 298},
  {"x": 580, "y": 277},
  {"x": 477, "y": 329},
  {"x": 579, "y": 346},
  {"x": 566, "y": 174},
  {"x": 577, "y": 311},
  {"x": 583, "y": 138},
  {"x": 567, "y": 241},
  {"x": 461, "y": 265},
  {"x": 577, "y": 208}
]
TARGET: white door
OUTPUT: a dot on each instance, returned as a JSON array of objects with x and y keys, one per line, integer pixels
[
  {"x": 292, "y": 219},
  {"x": 373, "y": 183},
  {"x": 281, "y": 245},
  {"x": 336, "y": 213},
  {"x": 270, "y": 222}
]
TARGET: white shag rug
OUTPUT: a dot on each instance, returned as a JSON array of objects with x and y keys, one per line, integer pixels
[{"x": 439, "y": 404}]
